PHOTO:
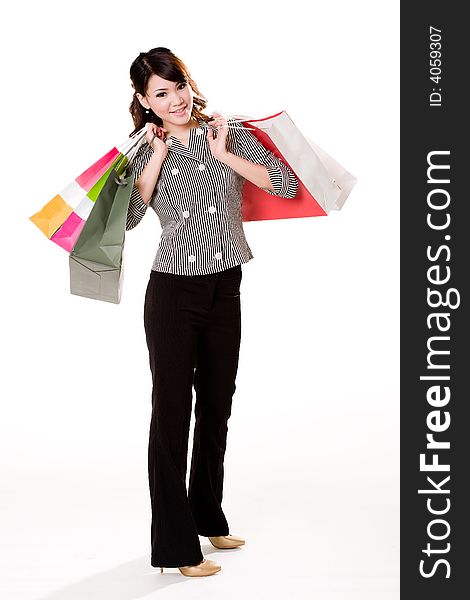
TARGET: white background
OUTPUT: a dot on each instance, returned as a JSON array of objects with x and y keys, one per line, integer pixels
[{"x": 311, "y": 470}]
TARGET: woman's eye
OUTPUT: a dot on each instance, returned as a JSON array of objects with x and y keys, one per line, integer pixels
[{"x": 161, "y": 93}]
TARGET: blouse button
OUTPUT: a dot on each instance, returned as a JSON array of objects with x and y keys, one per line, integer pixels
[
  {"x": 186, "y": 213},
  {"x": 202, "y": 167},
  {"x": 191, "y": 258},
  {"x": 169, "y": 142},
  {"x": 218, "y": 256},
  {"x": 212, "y": 209},
  {"x": 199, "y": 131},
  {"x": 175, "y": 171}
]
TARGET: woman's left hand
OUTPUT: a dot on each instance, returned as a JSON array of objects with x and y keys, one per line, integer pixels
[{"x": 217, "y": 145}]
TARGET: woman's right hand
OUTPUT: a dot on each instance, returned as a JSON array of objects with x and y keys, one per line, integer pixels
[{"x": 157, "y": 134}]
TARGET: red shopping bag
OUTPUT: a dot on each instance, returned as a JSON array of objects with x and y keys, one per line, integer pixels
[{"x": 324, "y": 184}]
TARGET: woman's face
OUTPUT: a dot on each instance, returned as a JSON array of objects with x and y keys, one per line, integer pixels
[{"x": 165, "y": 97}]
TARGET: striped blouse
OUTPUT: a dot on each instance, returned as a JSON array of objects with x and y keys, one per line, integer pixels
[{"x": 198, "y": 200}]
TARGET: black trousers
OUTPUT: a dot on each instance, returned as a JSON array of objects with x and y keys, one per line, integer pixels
[{"x": 193, "y": 328}]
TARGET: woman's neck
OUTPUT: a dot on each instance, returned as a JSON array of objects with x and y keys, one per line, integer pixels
[{"x": 180, "y": 131}]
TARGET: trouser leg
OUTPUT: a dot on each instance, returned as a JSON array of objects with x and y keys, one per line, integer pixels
[
  {"x": 214, "y": 383},
  {"x": 172, "y": 343}
]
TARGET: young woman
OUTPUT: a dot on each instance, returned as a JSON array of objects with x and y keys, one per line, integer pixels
[{"x": 191, "y": 171}]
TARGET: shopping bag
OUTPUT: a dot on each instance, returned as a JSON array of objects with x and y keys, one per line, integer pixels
[
  {"x": 343, "y": 180},
  {"x": 68, "y": 233},
  {"x": 324, "y": 185},
  {"x": 97, "y": 259},
  {"x": 62, "y": 218}
]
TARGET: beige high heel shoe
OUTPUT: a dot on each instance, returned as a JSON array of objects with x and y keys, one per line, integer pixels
[
  {"x": 204, "y": 568},
  {"x": 226, "y": 541}
]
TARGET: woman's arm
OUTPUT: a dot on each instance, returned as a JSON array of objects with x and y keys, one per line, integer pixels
[
  {"x": 247, "y": 156},
  {"x": 147, "y": 171},
  {"x": 257, "y": 174}
]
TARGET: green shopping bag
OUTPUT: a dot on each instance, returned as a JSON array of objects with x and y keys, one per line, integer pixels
[{"x": 96, "y": 261}]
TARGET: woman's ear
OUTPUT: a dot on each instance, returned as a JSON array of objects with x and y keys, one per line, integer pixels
[{"x": 142, "y": 101}]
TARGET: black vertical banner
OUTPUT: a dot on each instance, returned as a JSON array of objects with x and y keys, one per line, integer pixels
[{"x": 435, "y": 247}]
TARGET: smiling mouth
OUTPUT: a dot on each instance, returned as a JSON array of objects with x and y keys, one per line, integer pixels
[{"x": 179, "y": 111}]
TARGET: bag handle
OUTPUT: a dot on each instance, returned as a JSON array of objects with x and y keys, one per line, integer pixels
[
  {"x": 134, "y": 142},
  {"x": 128, "y": 151}
]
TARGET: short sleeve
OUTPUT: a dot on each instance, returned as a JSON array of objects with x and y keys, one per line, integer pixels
[
  {"x": 137, "y": 207},
  {"x": 241, "y": 142}
]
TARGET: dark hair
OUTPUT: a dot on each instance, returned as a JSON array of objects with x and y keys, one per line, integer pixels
[{"x": 162, "y": 62}]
